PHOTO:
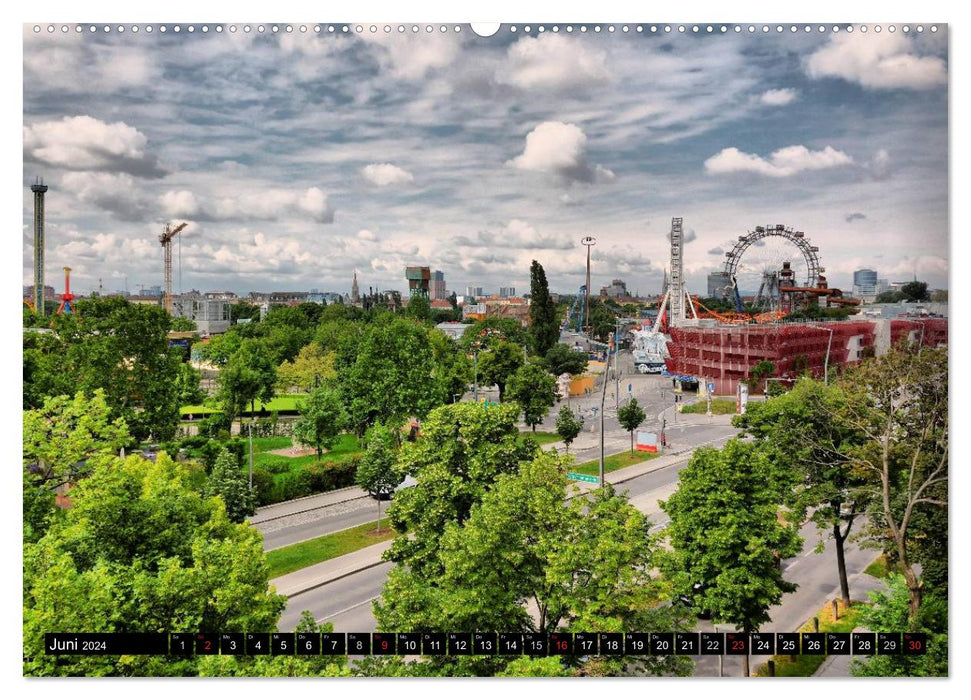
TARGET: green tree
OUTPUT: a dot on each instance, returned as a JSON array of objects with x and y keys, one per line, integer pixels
[
  {"x": 376, "y": 472},
  {"x": 915, "y": 291},
  {"x": 278, "y": 666},
  {"x": 581, "y": 564},
  {"x": 463, "y": 448},
  {"x": 419, "y": 308},
  {"x": 807, "y": 450},
  {"x": 726, "y": 538},
  {"x": 534, "y": 389},
  {"x": 890, "y": 610},
  {"x": 890, "y": 297},
  {"x": 141, "y": 552},
  {"x": 189, "y": 384},
  {"x": 568, "y": 426},
  {"x": 452, "y": 368},
  {"x": 219, "y": 348},
  {"x": 544, "y": 327},
  {"x": 243, "y": 309},
  {"x": 227, "y": 482},
  {"x": 312, "y": 366},
  {"x": 760, "y": 371},
  {"x": 249, "y": 374},
  {"x": 321, "y": 420},
  {"x": 489, "y": 331},
  {"x": 602, "y": 322},
  {"x": 630, "y": 416},
  {"x": 391, "y": 376},
  {"x": 499, "y": 365},
  {"x": 561, "y": 359},
  {"x": 63, "y": 439},
  {"x": 898, "y": 406},
  {"x": 113, "y": 345},
  {"x": 180, "y": 323}
]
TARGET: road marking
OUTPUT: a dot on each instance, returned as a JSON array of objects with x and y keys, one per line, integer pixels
[{"x": 341, "y": 612}]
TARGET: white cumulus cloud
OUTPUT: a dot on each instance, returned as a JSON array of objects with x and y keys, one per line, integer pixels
[
  {"x": 264, "y": 205},
  {"x": 384, "y": 174},
  {"x": 559, "y": 149},
  {"x": 782, "y": 163},
  {"x": 553, "y": 63},
  {"x": 778, "y": 97},
  {"x": 86, "y": 143},
  {"x": 880, "y": 61}
]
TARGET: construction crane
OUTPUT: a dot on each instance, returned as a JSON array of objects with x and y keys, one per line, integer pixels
[{"x": 168, "y": 233}]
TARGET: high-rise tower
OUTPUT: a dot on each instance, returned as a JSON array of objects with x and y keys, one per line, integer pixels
[
  {"x": 39, "y": 189},
  {"x": 355, "y": 293}
]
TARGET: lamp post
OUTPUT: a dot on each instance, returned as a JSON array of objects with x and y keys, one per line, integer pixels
[
  {"x": 829, "y": 344},
  {"x": 589, "y": 242},
  {"x": 251, "y": 454},
  {"x": 603, "y": 399}
]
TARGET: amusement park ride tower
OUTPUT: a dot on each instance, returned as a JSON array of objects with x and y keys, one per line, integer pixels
[
  {"x": 39, "y": 189},
  {"x": 676, "y": 297}
]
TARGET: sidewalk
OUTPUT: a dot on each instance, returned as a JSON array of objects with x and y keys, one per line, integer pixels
[
  {"x": 301, "y": 505},
  {"x": 329, "y": 571}
]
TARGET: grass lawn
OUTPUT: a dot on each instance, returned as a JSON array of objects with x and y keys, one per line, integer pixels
[
  {"x": 542, "y": 437},
  {"x": 345, "y": 446},
  {"x": 614, "y": 462},
  {"x": 805, "y": 666},
  {"x": 878, "y": 569},
  {"x": 719, "y": 407},
  {"x": 283, "y": 402},
  {"x": 303, "y": 554}
]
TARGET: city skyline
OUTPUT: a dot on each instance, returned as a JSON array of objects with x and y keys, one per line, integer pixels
[{"x": 297, "y": 157}]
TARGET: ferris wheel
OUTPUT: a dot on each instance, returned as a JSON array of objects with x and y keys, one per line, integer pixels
[{"x": 754, "y": 262}]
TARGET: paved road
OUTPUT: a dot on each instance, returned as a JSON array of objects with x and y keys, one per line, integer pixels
[
  {"x": 346, "y": 602},
  {"x": 691, "y": 430},
  {"x": 816, "y": 576}
]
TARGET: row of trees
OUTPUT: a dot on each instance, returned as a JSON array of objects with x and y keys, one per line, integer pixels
[{"x": 872, "y": 447}]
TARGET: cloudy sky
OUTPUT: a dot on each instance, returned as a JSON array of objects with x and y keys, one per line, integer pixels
[{"x": 298, "y": 158}]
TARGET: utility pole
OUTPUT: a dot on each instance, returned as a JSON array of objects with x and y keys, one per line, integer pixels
[{"x": 475, "y": 376}]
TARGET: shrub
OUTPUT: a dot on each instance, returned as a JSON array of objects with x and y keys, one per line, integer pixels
[
  {"x": 263, "y": 483},
  {"x": 276, "y": 465},
  {"x": 290, "y": 485}
]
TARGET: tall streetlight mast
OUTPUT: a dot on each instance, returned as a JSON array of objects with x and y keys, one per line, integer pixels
[{"x": 589, "y": 242}]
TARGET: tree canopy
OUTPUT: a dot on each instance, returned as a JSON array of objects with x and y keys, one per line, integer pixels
[
  {"x": 141, "y": 552},
  {"x": 322, "y": 418},
  {"x": 114, "y": 345},
  {"x": 544, "y": 326},
  {"x": 391, "y": 375},
  {"x": 534, "y": 389},
  {"x": 726, "y": 537}
]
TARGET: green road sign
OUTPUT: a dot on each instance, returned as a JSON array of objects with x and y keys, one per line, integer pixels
[{"x": 583, "y": 477}]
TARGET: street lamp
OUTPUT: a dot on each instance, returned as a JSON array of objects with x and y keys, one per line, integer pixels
[
  {"x": 589, "y": 242},
  {"x": 603, "y": 399}
]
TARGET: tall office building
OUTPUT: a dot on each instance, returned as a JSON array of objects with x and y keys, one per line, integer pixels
[
  {"x": 865, "y": 284},
  {"x": 436, "y": 286},
  {"x": 475, "y": 292},
  {"x": 506, "y": 292},
  {"x": 718, "y": 283}
]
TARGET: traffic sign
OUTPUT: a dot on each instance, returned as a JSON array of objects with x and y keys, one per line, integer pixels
[
  {"x": 583, "y": 477},
  {"x": 630, "y": 388},
  {"x": 711, "y": 387}
]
